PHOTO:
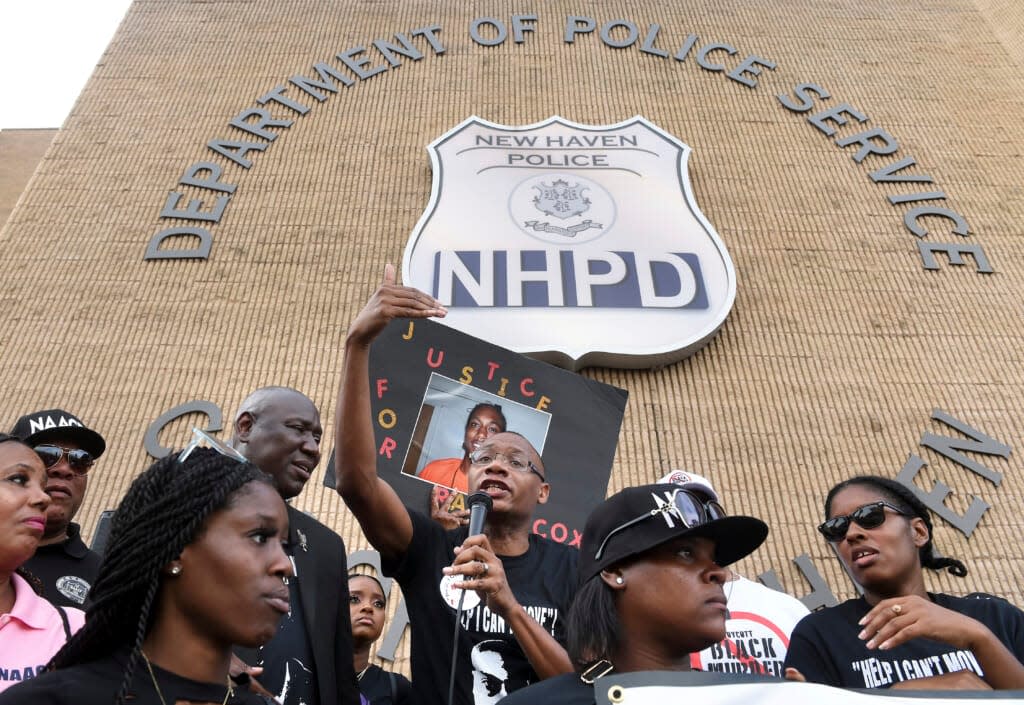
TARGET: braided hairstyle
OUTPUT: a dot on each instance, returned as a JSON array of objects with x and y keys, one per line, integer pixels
[
  {"x": 163, "y": 511},
  {"x": 904, "y": 498}
]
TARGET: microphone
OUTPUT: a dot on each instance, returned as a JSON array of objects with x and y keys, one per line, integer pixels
[{"x": 479, "y": 504}]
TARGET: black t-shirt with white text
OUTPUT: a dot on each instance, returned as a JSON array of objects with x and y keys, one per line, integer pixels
[
  {"x": 490, "y": 662},
  {"x": 824, "y": 646}
]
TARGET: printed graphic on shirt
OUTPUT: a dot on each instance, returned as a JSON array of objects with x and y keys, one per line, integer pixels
[
  {"x": 881, "y": 673},
  {"x": 752, "y": 644},
  {"x": 480, "y": 619},
  {"x": 492, "y": 680},
  {"x": 73, "y": 587},
  {"x": 451, "y": 594},
  {"x": 16, "y": 675},
  {"x": 499, "y": 666},
  {"x": 296, "y": 678}
]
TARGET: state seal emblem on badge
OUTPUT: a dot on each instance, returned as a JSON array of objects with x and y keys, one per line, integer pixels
[{"x": 576, "y": 244}]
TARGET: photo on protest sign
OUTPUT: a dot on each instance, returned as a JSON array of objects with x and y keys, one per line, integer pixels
[
  {"x": 426, "y": 379},
  {"x": 454, "y": 418}
]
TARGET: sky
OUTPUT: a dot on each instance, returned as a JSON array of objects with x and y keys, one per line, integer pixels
[{"x": 48, "y": 50}]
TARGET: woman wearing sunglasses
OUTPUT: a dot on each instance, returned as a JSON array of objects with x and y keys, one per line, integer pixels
[
  {"x": 651, "y": 569},
  {"x": 898, "y": 634},
  {"x": 194, "y": 565},
  {"x": 31, "y": 629}
]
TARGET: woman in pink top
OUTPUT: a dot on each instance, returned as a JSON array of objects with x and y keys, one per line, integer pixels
[
  {"x": 194, "y": 565},
  {"x": 31, "y": 629}
]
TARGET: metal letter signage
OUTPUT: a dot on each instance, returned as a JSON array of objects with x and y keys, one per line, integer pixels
[{"x": 577, "y": 244}]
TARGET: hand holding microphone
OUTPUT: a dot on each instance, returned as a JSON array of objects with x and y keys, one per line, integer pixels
[
  {"x": 465, "y": 565},
  {"x": 481, "y": 569}
]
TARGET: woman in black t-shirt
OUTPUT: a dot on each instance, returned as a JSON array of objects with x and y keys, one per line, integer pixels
[
  {"x": 194, "y": 565},
  {"x": 651, "y": 569},
  {"x": 899, "y": 634},
  {"x": 367, "y": 605}
]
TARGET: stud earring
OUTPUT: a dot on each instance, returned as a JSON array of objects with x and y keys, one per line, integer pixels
[
  {"x": 619, "y": 580},
  {"x": 175, "y": 570}
]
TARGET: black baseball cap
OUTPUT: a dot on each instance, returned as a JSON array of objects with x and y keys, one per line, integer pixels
[
  {"x": 42, "y": 426},
  {"x": 734, "y": 536}
]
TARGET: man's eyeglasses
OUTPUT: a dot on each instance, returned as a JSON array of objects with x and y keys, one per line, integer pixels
[
  {"x": 199, "y": 438},
  {"x": 869, "y": 516},
  {"x": 691, "y": 509},
  {"x": 79, "y": 460},
  {"x": 519, "y": 463}
]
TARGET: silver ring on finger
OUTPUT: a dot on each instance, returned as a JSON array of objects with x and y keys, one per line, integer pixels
[
  {"x": 897, "y": 609},
  {"x": 485, "y": 569}
]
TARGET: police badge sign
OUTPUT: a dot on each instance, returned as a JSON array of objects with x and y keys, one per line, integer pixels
[{"x": 579, "y": 245}]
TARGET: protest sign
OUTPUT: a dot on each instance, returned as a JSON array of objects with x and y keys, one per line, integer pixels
[{"x": 426, "y": 378}]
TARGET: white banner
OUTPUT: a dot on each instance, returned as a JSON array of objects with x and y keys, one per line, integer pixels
[{"x": 670, "y": 688}]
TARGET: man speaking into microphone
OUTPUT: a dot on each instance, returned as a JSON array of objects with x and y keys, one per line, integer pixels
[{"x": 517, "y": 585}]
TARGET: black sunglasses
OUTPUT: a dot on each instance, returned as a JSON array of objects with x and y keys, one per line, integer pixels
[
  {"x": 869, "y": 516},
  {"x": 686, "y": 506},
  {"x": 78, "y": 460}
]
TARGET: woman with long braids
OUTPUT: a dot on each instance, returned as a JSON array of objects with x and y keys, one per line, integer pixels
[
  {"x": 194, "y": 565},
  {"x": 31, "y": 629},
  {"x": 898, "y": 634}
]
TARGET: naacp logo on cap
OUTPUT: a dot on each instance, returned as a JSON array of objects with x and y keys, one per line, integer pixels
[
  {"x": 578, "y": 244},
  {"x": 43, "y": 423}
]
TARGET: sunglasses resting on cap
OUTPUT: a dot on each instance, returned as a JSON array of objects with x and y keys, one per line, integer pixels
[{"x": 688, "y": 507}]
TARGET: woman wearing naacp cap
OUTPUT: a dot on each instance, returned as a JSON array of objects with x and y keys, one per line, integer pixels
[
  {"x": 32, "y": 630},
  {"x": 898, "y": 634},
  {"x": 194, "y": 565},
  {"x": 651, "y": 568}
]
